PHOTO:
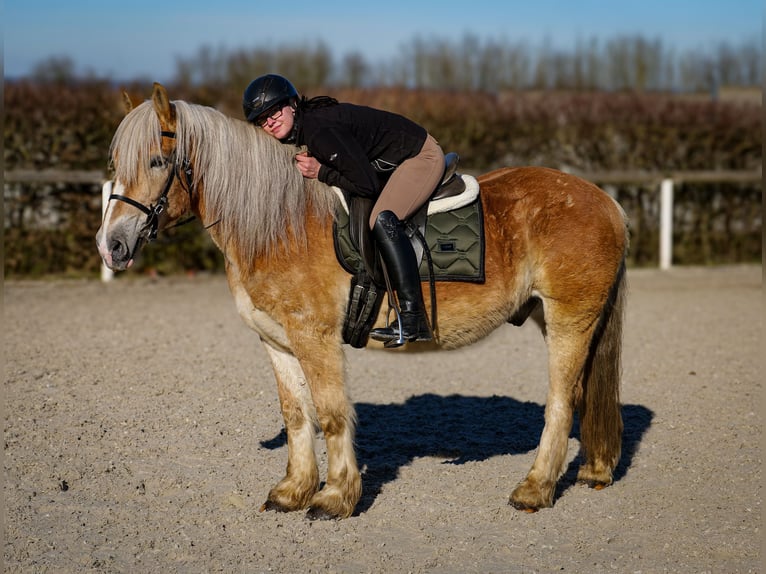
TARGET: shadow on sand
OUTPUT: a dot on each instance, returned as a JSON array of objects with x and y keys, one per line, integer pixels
[{"x": 461, "y": 429}]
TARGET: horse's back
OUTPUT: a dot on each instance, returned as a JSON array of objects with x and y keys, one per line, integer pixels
[
  {"x": 538, "y": 181},
  {"x": 555, "y": 209}
]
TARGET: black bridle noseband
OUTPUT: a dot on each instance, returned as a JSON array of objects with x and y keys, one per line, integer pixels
[{"x": 153, "y": 212}]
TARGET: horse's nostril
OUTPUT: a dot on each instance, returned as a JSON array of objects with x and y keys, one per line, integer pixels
[{"x": 119, "y": 251}]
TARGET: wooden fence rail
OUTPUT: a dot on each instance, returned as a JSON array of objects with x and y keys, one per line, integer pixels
[
  {"x": 55, "y": 176},
  {"x": 601, "y": 177},
  {"x": 678, "y": 176}
]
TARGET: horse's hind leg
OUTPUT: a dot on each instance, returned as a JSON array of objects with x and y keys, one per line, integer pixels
[
  {"x": 301, "y": 482},
  {"x": 568, "y": 342},
  {"x": 584, "y": 350}
]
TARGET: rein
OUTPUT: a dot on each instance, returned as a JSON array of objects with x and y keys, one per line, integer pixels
[{"x": 153, "y": 212}]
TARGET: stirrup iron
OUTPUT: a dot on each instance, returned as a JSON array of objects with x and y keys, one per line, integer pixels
[{"x": 393, "y": 305}]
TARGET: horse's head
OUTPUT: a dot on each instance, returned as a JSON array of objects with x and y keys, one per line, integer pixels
[{"x": 153, "y": 183}]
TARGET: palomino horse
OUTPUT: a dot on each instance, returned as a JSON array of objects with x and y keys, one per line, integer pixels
[{"x": 550, "y": 238}]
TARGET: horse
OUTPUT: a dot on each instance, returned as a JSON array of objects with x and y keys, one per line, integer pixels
[{"x": 554, "y": 242}]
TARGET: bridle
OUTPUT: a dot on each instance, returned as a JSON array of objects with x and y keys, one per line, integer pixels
[{"x": 152, "y": 224}]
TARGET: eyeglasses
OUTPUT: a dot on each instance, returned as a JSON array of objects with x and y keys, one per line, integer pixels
[{"x": 274, "y": 114}]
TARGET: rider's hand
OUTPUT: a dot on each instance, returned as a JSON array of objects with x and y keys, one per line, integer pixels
[{"x": 307, "y": 165}]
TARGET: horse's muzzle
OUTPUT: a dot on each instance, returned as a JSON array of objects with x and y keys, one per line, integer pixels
[{"x": 115, "y": 251}]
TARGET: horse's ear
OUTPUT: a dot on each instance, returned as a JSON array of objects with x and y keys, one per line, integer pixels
[
  {"x": 162, "y": 105},
  {"x": 127, "y": 102}
]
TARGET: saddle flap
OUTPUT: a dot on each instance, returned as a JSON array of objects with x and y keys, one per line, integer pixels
[{"x": 359, "y": 210}]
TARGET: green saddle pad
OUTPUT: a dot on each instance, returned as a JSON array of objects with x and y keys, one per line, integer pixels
[{"x": 454, "y": 238}]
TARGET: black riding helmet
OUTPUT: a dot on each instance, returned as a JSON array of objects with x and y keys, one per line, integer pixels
[{"x": 264, "y": 93}]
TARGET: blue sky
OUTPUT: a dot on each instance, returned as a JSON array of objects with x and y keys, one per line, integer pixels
[{"x": 144, "y": 38}]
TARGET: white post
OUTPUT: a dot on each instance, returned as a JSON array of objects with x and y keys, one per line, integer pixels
[
  {"x": 666, "y": 224},
  {"x": 106, "y": 190}
]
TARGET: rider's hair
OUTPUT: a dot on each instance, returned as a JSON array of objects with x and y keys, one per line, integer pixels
[{"x": 316, "y": 102}]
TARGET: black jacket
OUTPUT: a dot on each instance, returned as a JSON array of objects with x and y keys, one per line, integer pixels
[{"x": 346, "y": 139}]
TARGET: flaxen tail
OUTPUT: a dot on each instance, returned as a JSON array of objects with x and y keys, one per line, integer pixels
[{"x": 599, "y": 409}]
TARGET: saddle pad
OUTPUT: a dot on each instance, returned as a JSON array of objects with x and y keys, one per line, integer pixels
[
  {"x": 454, "y": 238},
  {"x": 456, "y": 242}
]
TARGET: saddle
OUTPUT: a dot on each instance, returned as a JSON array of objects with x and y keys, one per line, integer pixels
[{"x": 447, "y": 234}]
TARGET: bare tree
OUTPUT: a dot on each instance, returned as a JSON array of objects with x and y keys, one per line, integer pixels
[
  {"x": 355, "y": 71},
  {"x": 56, "y": 69},
  {"x": 472, "y": 63}
]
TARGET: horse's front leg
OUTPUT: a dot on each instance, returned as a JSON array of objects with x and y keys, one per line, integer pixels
[
  {"x": 301, "y": 482},
  {"x": 311, "y": 392},
  {"x": 321, "y": 357}
]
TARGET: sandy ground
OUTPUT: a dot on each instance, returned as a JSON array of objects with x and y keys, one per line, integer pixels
[{"x": 142, "y": 433}]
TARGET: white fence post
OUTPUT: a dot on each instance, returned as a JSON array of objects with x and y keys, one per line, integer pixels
[
  {"x": 106, "y": 190},
  {"x": 666, "y": 224}
]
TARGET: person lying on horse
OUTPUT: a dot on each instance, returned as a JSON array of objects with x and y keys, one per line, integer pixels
[{"x": 367, "y": 152}]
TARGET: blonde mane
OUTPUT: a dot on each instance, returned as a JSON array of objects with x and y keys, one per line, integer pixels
[{"x": 251, "y": 186}]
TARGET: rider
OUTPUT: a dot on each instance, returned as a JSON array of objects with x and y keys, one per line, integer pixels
[{"x": 354, "y": 147}]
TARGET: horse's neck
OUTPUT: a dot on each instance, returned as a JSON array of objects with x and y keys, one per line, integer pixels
[
  {"x": 317, "y": 224},
  {"x": 197, "y": 208}
]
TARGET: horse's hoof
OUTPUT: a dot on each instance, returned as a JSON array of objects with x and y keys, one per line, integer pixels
[
  {"x": 273, "y": 506},
  {"x": 316, "y": 513},
  {"x": 594, "y": 484},
  {"x": 529, "y": 496},
  {"x": 523, "y": 507}
]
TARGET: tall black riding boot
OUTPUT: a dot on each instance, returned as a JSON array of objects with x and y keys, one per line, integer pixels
[{"x": 402, "y": 268}]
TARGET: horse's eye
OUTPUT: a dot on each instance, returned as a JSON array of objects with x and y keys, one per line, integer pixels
[{"x": 157, "y": 161}]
